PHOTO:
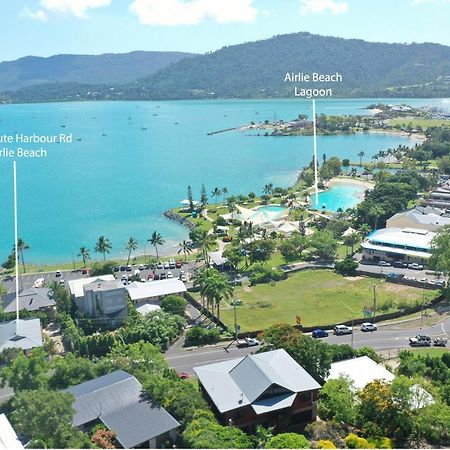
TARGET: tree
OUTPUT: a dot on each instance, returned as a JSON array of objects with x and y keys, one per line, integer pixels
[
  {"x": 185, "y": 248},
  {"x": 337, "y": 401},
  {"x": 45, "y": 417},
  {"x": 292, "y": 248},
  {"x": 27, "y": 372},
  {"x": 131, "y": 245},
  {"x": 260, "y": 251},
  {"x": 205, "y": 242},
  {"x": 203, "y": 197},
  {"x": 174, "y": 304},
  {"x": 324, "y": 245},
  {"x": 216, "y": 193},
  {"x": 190, "y": 199},
  {"x": 156, "y": 240},
  {"x": 71, "y": 370},
  {"x": 103, "y": 246},
  {"x": 268, "y": 189},
  {"x": 440, "y": 251},
  {"x": 375, "y": 212},
  {"x": 347, "y": 267},
  {"x": 361, "y": 154},
  {"x": 444, "y": 164},
  {"x": 22, "y": 246},
  {"x": 104, "y": 438},
  {"x": 224, "y": 192},
  {"x": 84, "y": 255},
  {"x": 288, "y": 440}
]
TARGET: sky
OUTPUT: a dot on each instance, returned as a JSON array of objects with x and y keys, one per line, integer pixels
[{"x": 49, "y": 27}]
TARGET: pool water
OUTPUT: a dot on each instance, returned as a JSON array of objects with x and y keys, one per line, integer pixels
[
  {"x": 340, "y": 196},
  {"x": 272, "y": 208}
]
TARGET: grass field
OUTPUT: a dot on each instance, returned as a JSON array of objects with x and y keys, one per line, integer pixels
[
  {"x": 423, "y": 123},
  {"x": 430, "y": 351},
  {"x": 318, "y": 297}
]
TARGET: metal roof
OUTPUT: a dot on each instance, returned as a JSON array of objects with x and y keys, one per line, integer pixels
[
  {"x": 31, "y": 299},
  {"x": 116, "y": 399},
  {"x": 8, "y": 437},
  {"x": 150, "y": 289},
  {"x": 30, "y": 335},
  {"x": 239, "y": 382},
  {"x": 76, "y": 286}
]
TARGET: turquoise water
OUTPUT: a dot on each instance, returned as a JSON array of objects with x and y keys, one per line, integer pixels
[
  {"x": 340, "y": 196},
  {"x": 275, "y": 208},
  {"x": 119, "y": 179}
]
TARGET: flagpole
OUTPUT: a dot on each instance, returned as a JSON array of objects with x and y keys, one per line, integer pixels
[
  {"x": 316, "y": 182},
  {"x": 16, "y": 243}
]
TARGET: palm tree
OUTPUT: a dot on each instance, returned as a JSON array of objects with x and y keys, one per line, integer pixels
[
  {"x": 365, "y": 229},
  {"x": 231, "y": 202},
  {"x": 156, "y": 240},
  {"x": 205, "y": 241},
  {"x": 185, "y": 247},
  {"x": 22, "y": 246},
  {"x": 375, "y": 212},
  {"x": 268, "y": 189},
  {"x": 224, "y": 192},
  {"x": 103, "y": 246},
  {"x": 361, "y": 154},
  {"x": 216, "y": 192},
  {"x": 350, "y": 241},
  {"x": 84, "y": 255},
  {"x": 131, "y": 245}
]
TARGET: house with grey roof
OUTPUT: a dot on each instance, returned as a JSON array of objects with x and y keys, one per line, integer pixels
[
  {"x": 32, "y": 299},
  {"x": 117, "y": 401},
  {"x": 269, "y": 388},
  {"x": 425, "y": 218},
  {"x": 26, "y": 336}
]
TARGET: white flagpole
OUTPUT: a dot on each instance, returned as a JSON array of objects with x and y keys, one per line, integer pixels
[
  {"x": 316, "y": 182},
  {"x": 16, "y": 241}
]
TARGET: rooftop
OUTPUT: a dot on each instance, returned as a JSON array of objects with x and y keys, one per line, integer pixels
[
  {"x": 150, "y": 289},
  {"x": 424, "y": 218},
  {"x": 103, "y": 286},
  {"x": 76, "y": 286},
  {"x": 117, "y": 400},
  {"x": 240, "y": 382},
  {"x": 8, "y": 437},
  {"x": 30, "y": 299},
  {"x": 30, "y": 335}
]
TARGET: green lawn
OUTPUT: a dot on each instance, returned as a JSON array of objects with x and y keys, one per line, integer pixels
[
  {"x": 318, "y": 296},
  {"x": 423, "y": 123},
  {"x": 433, "y": 351}
]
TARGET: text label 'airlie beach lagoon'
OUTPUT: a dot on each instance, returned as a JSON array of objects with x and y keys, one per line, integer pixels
[{"x": 313, "y": 77}]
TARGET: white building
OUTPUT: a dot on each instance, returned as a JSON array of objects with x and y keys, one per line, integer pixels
[
  {"x": 154, "y": 291},
  {"x": 398, "y": 244},
  {"x": 76, "y": 286},
  {"x": 428, "y": 218},
  {"x": 8, "y": 437}
]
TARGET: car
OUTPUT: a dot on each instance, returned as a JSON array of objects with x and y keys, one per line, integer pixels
[
  {"x": 184, "y": 375},
  {"x": 440, "y": 283},
  {"x": 169, "y": 274},
  {"x": 166, "y": 265},
  {"x": 440, "y": 342},
  {"x": 137, "y": 272},
  {"x": 178, "y": 264},
  {"x": 432, "y": 282},
  {"x": 129, "y": 268},
  {"x": 116, "y": 269},
  {"x": 384, "y": 264},
  {"x": 172, "y": 264},
  {"x": 368, "y": 326},
  {"x": 156, "y": 276},
  {"x": 342, "y": 329},
  {"x": 420, "y": 341},
  {"x": 58, "y": 273},
  {"x": 183, "y": 278},
  {"x": 150, "y": 276},
  {"x": 319, "y": 333},
  {"x": 247, "y": 342},
  {"x": 123, "y": 268},
  {"x": 39, "y": 283},
  {"x": 163, "y": 276},
  {"x": 399, "y": 265},
  {"x": 423, "y": 280},
  {"x": 84, "y": 271},
  {"x": 8, "y": 278},
  {"x": 62, "y": 282},
  {"x": 160, "y": 265},
  {"x": 141, "y": 267},
  {"x": 415, "y": 266}
]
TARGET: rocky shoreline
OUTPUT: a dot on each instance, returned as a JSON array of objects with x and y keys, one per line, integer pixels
[{"x": 185, "y": 221}]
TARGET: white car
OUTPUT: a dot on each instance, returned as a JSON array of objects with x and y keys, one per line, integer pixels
[
  {"x": 39, "y": 283},
  {"x": 368, "y": 326},
  {"x": 415, "y": 266},
  {"x": 384, "y": 264},
  {"x": 169, "y": 275},
  {"x": 58, "y": 273},
  {"x": 166, "y": 265},
  {"x": 141, "y": 267},
  {"x": 137, "y": 272},
  {"x": 342, "y": 329}
]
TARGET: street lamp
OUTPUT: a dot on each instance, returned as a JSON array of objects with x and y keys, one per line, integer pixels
[{"x": 353, "y": 318}]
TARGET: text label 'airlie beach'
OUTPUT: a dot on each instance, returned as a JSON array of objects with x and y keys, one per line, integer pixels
[{"x": 314, "y": 77}]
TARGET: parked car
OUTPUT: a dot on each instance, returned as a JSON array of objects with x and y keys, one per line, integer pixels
[
  {"x": 184, "y": 375},
  {"x": 384, "y": 264},
  {"x": 58, "y": 273},
  {"x": 247, "y": 342},
  {"x": 319, "y": 333},
  {"x": 166, "y": 265},
  {"x": 368, "y": 326},
  {"x": 172, "y": 264},
  {"x": 150, "y": 276},
  {"x": 123, "y": 268},
  {"x": 84, "y": 271},
  {"x": 415, "y": 266},
  {"x": 440, "y": 342},
  {"x": 163, "y": 276},
  {"x": 39, "y": 283},
  {"x": 178, "y": 264},
  {"x": 169, "y": 274},
  {"x": 183, "y": 278},
  {"x": 137, "y": 272},
  {"x": 399, "y": 265},
  {"x": 440, "y": 283},
  {"x": 160, "y": 265},
  {"x": 342, "y": 329},
  {"x": 420, "y": 341},
  {"x": 116, "y": 269},
  {"x": 156, "y": 277},
  {"x": 62, "y": 283},
  {"x": 141, "y": 267}
]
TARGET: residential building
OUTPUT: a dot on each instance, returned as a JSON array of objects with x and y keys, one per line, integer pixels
[
  {"x": 105, "y": 299},
  {"x": 398, "y": 244},
  {"x": 8, "y": 437},
  {"x": 440, "y": 197},
  {"x": 268, "y": 388},
  {"x": 76, "y": 286},
  {"x": 32, "y": 299},
  {"x": 425, "y": 218},
  {"x": 154, "y": 291},
  {"x": 116, "y": 400},
  {"x": 26, "y": 336}
]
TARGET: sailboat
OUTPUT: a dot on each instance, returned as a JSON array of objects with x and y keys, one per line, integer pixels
[{"x": 142, "y": 127}]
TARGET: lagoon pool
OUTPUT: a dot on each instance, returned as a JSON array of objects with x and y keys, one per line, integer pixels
[
  {"x": 340, "y": 196},
  {"x": 272, "y": 208}
]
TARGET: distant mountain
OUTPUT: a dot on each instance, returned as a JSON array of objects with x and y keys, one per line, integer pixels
[
  {"x": 257, "y": 70},
  {"x": 108, "y": 68}
]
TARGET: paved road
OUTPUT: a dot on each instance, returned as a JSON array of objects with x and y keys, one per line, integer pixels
[{"x": 386, "y": 338}]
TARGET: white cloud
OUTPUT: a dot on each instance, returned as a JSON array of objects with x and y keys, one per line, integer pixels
[
  {"x": 192, "y": 12},
  {"x": 78, "y": 8},
  {"x": 321, "y": 6},
  {"x": 37, "y": 15}
]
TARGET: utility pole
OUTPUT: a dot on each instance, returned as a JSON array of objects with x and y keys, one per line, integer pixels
[
  {"x": 316, "y": 177},
  {"x": 353, "y": 319},
  {"x": 230, "y": 424},
  {"x": 235, "y": 320},
  {"x": 421, "y": 309},
  {"x": 374, "y": 302},
  {"x": 16, "y": 245}
]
